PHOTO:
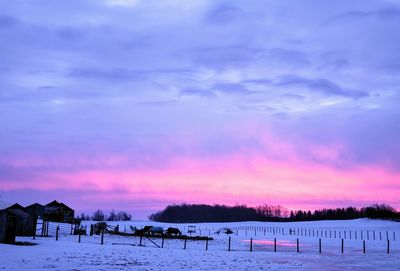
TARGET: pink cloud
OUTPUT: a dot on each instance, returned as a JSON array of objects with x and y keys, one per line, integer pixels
[{"x": 278, "y": 173}]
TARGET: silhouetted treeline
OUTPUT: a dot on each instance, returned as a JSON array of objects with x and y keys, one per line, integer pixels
[
  {"x": 191, "y": 213},
  {"x": 99, "y": 215}
]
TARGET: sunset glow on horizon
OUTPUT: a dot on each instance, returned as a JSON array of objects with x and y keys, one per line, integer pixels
[{"x": 123, "y": 105}]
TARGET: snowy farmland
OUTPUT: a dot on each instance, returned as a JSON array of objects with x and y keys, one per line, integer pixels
[{"x": 252, "y": 246}]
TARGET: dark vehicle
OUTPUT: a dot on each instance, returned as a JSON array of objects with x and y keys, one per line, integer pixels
[{"x": 173, "y": 231}]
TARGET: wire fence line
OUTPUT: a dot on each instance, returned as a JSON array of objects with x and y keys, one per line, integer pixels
[{"x": 247, "y": 238}]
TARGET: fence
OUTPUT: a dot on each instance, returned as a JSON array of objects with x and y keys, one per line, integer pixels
[{"x": 249, "y": 238}]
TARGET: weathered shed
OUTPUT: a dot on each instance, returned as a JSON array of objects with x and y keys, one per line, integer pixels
[
  {"x": 35, "y": 209},
  {"x": 25, "y": 223},
  {"x": 8, "y": 223},
  {"x": 58, "y": 211}
]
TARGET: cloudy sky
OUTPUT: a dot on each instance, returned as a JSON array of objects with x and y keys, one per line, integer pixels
[{"x": 136, "y": 104}]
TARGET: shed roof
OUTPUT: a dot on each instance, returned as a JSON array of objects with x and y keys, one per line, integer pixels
[{"x": 15, "y": 206}]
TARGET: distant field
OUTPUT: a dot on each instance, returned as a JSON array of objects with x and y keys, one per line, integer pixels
[{"x": 124, "y": 253}]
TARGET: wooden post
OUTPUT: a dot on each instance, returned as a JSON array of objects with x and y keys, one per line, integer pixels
[
  {"x": 374, "y": 234},
  {"x": 251, "y": 244},
  {"x": 342, "y": 246},
  {"x": 298, "y": 248},
  {"x": 162, "y": 242},
  {"x": 274, "y": 244},
  {"x": 140, "y": 241},
  {"x": 380, "y": 236},
  {"x": 57, "y": 229},
  {"x": 79, "y": 238},
  {"x": 43, "y": 228},
  {"x": 102, "y": 236},
  {"x": 34, "y": 229},
  {"x": 367, "y": 235},
  {"x": 394, "y": 236},
  {"x": 184, "y": 244},
  {"x": 364, "y": 246},
  {"x": 207, "y": 244},
  {"x": 388, "y": 247},
  {"x": 320, "y": 246},
  {"x": 229, "y": 244}
]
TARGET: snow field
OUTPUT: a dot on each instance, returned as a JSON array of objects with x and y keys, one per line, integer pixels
[{"x": 124, "y": 253}]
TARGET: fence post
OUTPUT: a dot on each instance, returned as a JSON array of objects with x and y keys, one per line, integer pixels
[
  {"x": 162, "y": 242},
  {"x": 251, "y": 244},
  {"x": 298, "y": 248},
  {"x": 364, "y": 246},
  {"x": 79, "y": 238},
  {"x": 34, "y": 229},
  {"x": 388, "y": 247},
  {"x": 184, "y": 245},
  {"x": 274, "y": 244},
  {"x": 57, "y": 229},
  {"x": 102, "y": 236},
  {"x": 320, "y": 246},
  {"x": 229, "y": 244},
  {"x": 342, "y": 245},
  {"x": 140, "y": 241},
  {"x": 207, "y": 244}
]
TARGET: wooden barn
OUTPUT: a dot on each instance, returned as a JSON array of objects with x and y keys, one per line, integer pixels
[
  {"x": 35, "y": 209},
  {"x": 25, "y": 222},
  {"x": 8, "y": 222},
  {"x": 58, "y": 211}
]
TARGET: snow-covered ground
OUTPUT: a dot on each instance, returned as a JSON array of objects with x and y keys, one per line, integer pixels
[{"x": 124, "y": 253}]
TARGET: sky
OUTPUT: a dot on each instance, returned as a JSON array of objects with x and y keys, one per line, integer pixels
[{"x": 136, "y": 104}]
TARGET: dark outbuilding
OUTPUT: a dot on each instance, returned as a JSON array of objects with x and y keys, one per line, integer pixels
[
  {"x": 25, "y": 222},
  {"x": 35, "y": 209},
  {"x": 8, "y": 222},
  {"x": 58, "y": 211}
]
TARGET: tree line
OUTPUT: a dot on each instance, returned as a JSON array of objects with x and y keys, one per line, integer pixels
[
  {"x": 192, "y": 213},
  {"x": 99, "y": 215}
]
